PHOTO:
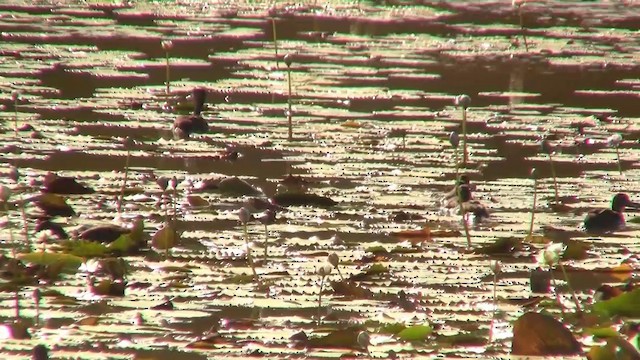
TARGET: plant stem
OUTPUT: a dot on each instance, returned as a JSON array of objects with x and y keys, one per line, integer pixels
[
  {"x": 266, "y": 241},
  {"x": 289, "y": 115},
  {"x": 15, "y": 116},
  {"x": 167, "y": 73},
  {"x": 320, "y": 300},
  {"x": 573, "y": 293},
  {"x": 619, "y": 163},
  {"x": 249, "y": 258},
  {"x": 495, "y": 306},
  {"x": 524, "y": 36},
  {"x": 533, "y": 206},
  {"x": 17, "y": 302},
  {"x": 37, "y": 303},
  {"x": 175, "y": 206},
  {"x": 555, "y": 289},
  {"x": 462, "y": 210},
  {"x": 465, "y": 153},
  {"x": 124, "y": 182},
  {"x": 14, "y": 245},
  {"x": 275, "y": 41},
  {"x": 555, "y": 178},
  {"x": 164, "y": 205}
]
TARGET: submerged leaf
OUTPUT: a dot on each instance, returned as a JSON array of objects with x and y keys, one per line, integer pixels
[{"x": 536, "y": 334}]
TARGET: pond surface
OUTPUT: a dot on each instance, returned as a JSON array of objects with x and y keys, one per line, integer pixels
[{"x": 88, "y": 75}]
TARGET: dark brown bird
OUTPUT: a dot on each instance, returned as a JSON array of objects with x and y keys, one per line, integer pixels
[
  {"x": 450, "y": 199},
  {"x": 185, "y": 125},
  {"x": 608, "y": 220},
  {"x": 55, "y": 184},
  {"x": 470, "y": 205}
]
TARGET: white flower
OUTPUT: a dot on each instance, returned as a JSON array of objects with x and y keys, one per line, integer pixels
[
  {"x": 614, "y": 140},
  {"x": 551, "y": 255},
  {"x": 324, "y": 269}
]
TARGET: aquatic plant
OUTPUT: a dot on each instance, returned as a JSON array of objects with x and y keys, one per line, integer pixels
[
  {"x": 323, "y": 271},
  {"x": 454, "y": 139},
  {"x": 614, "y": 141},
  {"x": 533, "y": 203},
  {"x": 167, "y": 46},
  {"x": 463, "y": 101},
  {"x": 334, "y": 260},
  {"x": 127, "y": 143},
  {"x": 518, "y": 5},
  {"x": 245, "y": 217},
  {"x": 267, "y": 218},
  {"x": 496, "y": 269},
  {"x": 15, "y": 97},
  {"x": 547, "y": 148},
  {"x": 551, "y": 256},
  {"x": 275, "y": 41},
  {"x": 288, "y": 60}
]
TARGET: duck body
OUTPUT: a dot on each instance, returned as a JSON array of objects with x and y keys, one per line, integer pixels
[
  {"x": 450, "y": 199},
  {"x": 609, "y": 220},
  {"x": 470, "y": 205},
  {"x": 186, "y": 125}
]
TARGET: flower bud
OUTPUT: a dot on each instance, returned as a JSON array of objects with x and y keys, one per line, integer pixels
[
  {"x": 288, "y": 60},
  {"x": 463, "y": 101},
  {"x": 454, "y": 139}
]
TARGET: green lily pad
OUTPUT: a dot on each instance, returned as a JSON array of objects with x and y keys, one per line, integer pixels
[
  {"x": 627, "y": 304},
  {"x": 415, "y": 333},
  {"x": 69, "y": 261}
]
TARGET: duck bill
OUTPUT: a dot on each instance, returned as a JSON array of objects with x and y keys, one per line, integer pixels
[{"x": 633, "y": 206}]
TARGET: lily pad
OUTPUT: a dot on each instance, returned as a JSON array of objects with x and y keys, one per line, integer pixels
[{"x": 536, "y": 334}]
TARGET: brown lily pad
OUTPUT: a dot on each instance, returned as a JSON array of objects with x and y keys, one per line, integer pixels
[
  {"x": 302, "y": 199},
  {"x": 536, "y": 334}
]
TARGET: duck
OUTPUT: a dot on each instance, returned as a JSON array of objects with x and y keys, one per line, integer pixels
[
  {"x": 469, "y": 205},
  {"x": 185, "y": 125},
  {"x": 609, "y": 220},
  {"x": 450, "y": 199}
]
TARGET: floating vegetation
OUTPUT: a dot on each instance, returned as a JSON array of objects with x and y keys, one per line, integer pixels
[{"x": 119, "y": 199}]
